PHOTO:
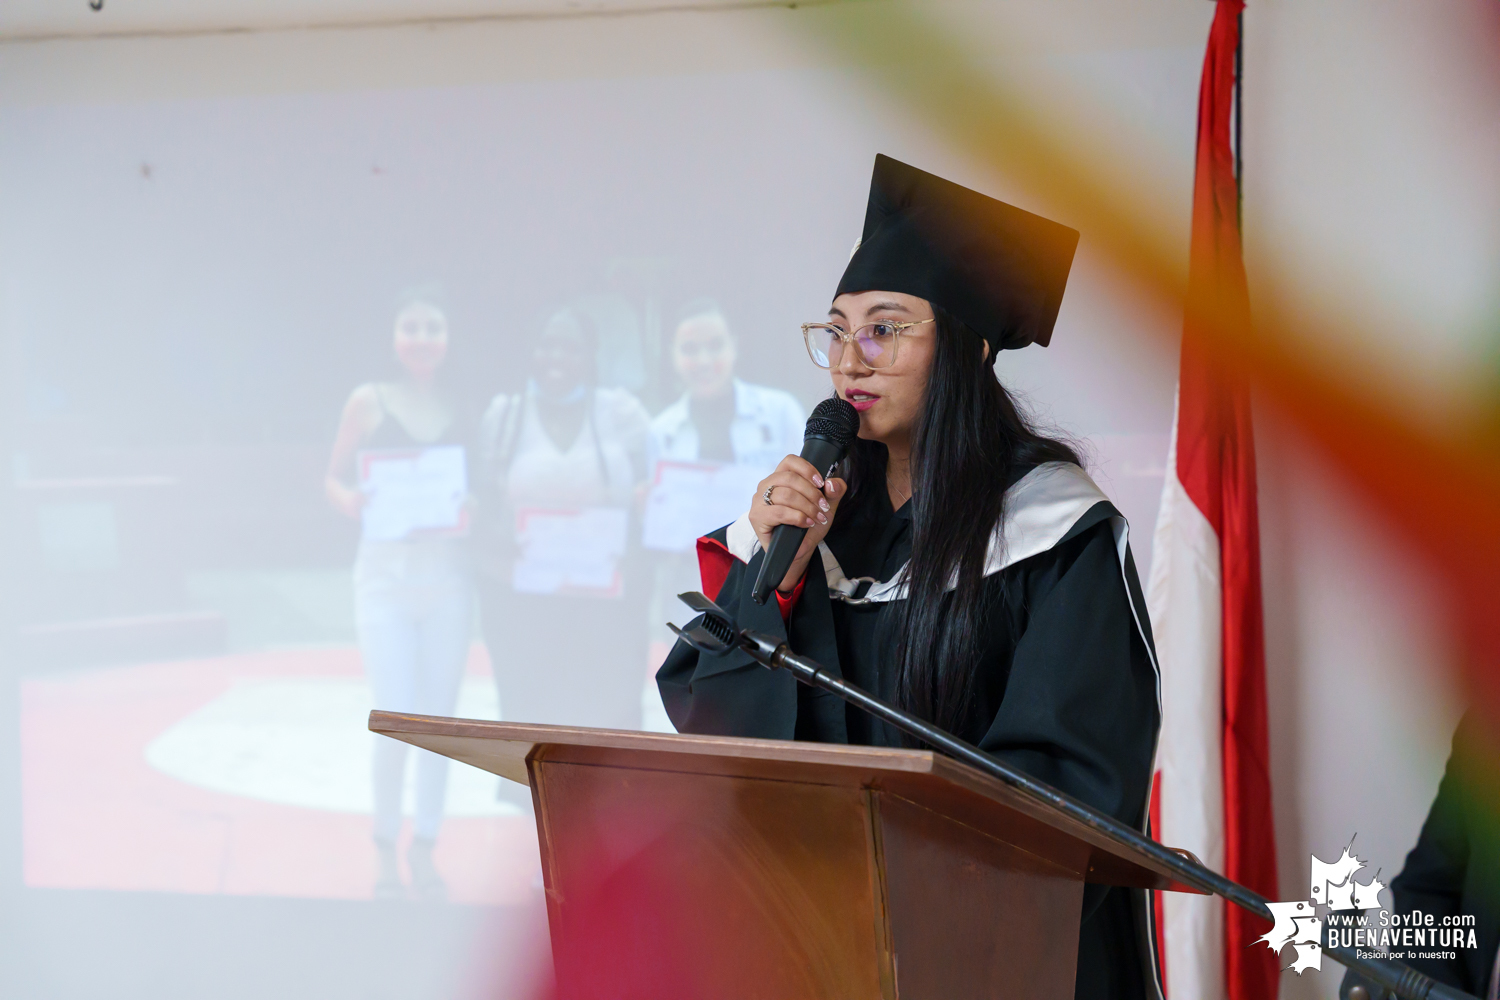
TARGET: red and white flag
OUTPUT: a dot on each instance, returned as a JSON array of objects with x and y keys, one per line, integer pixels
[{"x": 1213, "y": 788}]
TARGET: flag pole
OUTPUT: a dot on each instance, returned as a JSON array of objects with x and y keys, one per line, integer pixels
[{"x": 1239, "y": 120}]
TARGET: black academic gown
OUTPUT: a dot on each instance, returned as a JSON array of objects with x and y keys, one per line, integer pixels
[
  {"x": 1455, "y": 867},
  {"x": 1068, "y": 689}
]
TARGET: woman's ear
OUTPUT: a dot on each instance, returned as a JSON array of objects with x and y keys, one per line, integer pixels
[{"x": 985, "y": 355}]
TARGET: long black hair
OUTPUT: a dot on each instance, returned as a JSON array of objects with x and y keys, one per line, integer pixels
[{"x": 969, "y": 443}]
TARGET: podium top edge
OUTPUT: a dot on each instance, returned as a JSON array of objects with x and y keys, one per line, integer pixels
[{"x": 398, "y": 724}]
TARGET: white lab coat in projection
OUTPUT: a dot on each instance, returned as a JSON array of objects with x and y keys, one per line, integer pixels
[{"x": 768, "y": 425}]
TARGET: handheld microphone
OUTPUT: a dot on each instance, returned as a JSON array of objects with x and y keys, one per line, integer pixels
[{"x": 831, "y": 428}]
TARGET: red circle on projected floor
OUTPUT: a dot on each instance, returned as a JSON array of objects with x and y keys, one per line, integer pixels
[{"x": 245, "y": 774}]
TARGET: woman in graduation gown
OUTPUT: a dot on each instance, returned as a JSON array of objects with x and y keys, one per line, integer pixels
[{"x": 958, "y": 562}]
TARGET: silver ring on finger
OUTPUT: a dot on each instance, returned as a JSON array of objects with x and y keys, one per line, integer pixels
[{"x": 766, "y": 496}]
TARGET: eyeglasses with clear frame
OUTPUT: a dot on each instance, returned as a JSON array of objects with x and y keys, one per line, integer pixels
[{"x": 875, "y": 344}]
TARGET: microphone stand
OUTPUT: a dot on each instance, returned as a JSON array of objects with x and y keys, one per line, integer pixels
[{"x": 718, "y": 634}]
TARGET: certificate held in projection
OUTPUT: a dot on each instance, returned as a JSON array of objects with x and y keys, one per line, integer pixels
[
  {"x": 570, "y": 552},
  {"x": 690, "y": 499},
  {"x": 413, "y": 492}
]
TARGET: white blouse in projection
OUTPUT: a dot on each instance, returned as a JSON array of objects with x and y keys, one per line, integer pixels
[{"x": 571, "y": 505}]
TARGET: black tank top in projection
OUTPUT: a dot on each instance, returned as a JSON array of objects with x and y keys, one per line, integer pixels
[
  {"x": 391, "y": 433},
  {"x": 391, "y": 436}
]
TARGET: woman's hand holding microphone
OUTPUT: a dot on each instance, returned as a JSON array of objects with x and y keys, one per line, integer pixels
[{"x": 799, "y": 496}]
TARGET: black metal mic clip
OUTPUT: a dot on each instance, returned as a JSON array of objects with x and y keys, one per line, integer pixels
[{"x": 718, "y": 633}]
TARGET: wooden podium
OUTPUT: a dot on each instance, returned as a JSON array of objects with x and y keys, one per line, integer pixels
[{"x": 730, "y": 868}]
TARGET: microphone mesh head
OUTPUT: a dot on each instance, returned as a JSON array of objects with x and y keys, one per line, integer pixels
[{"x": 834, "y": 420}]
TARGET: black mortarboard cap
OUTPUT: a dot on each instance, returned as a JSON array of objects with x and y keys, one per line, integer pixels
[{"x": 999, "y": 269}]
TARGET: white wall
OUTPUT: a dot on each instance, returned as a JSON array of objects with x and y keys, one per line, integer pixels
[{"x": 1370, "y": 196}]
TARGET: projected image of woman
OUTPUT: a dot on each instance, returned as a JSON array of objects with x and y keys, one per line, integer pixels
[
  {"x": 959, "y": 563},
  {"x": 560, "y": 463},
  {"x": 719, "y": 420},
  {"x": 399, "y": 466}
]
